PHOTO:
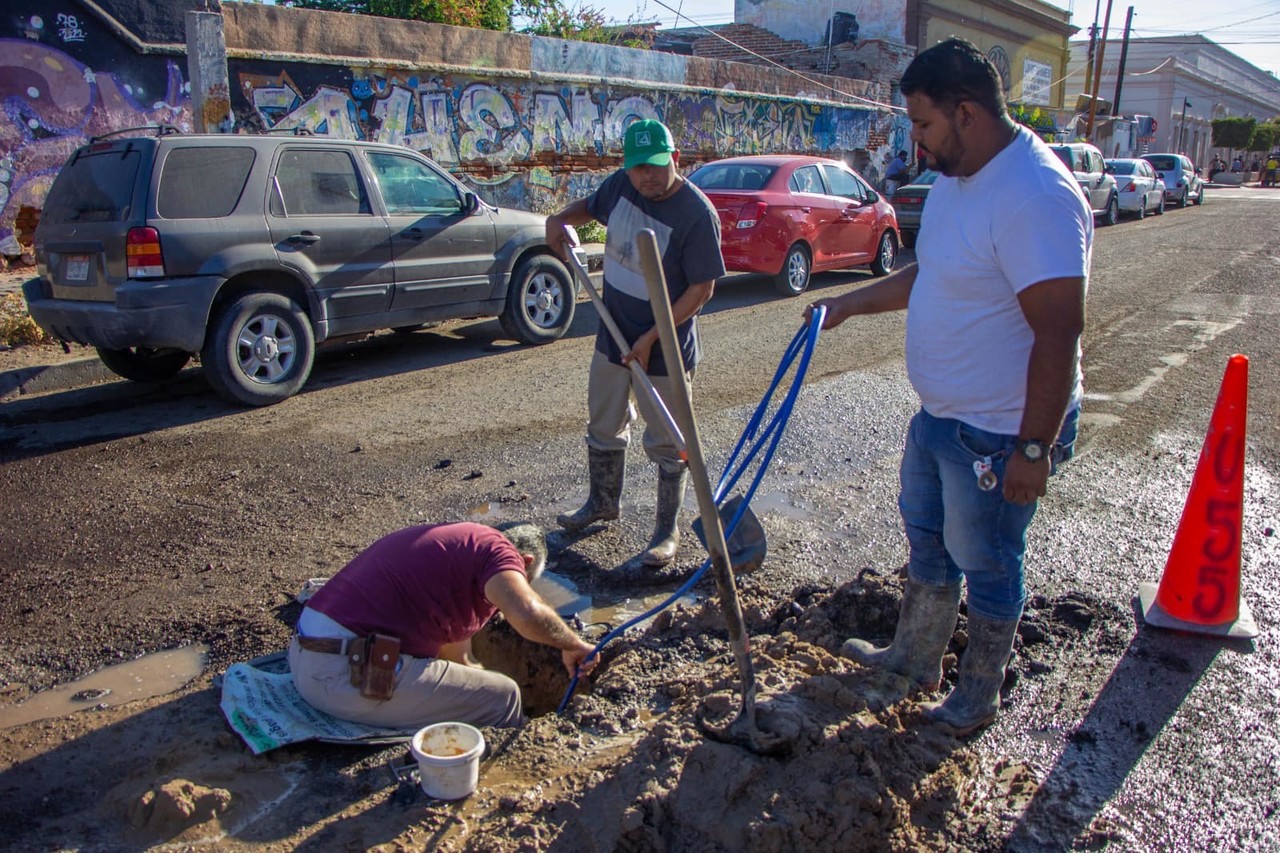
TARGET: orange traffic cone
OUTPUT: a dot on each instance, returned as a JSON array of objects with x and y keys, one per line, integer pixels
[{"x": 1200, "y": 588}]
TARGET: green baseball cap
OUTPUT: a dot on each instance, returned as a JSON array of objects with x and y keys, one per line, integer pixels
[{"x": 647, "y": 141}]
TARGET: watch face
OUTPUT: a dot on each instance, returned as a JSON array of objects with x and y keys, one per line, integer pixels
[{"x": 1033, "y": 450}]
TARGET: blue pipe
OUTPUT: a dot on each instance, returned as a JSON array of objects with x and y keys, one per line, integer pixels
[{"x": 803, "y": 344}]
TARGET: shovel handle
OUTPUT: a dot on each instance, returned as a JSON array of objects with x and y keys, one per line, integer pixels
[
  {"x": 682, "y": 402},
  {"x": 642, "y": 378}
]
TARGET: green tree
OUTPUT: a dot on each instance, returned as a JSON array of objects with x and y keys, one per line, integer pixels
[
  {"x": 545, "y": 17},
  {"x": 1264, "y": 137},
  {"x": 1233, "y": 132}
]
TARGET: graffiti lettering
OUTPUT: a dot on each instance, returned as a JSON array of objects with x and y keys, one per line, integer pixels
[{"x": 69, "y": 28}]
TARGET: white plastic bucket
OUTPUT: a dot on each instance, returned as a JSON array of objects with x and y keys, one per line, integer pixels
[{"x": 448, "y": 756}]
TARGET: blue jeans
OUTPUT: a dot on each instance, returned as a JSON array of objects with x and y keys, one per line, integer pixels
[{"x": 954, "y": 528}]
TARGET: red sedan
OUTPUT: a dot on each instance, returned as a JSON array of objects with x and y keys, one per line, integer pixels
[{"x": 791, "y": 216}]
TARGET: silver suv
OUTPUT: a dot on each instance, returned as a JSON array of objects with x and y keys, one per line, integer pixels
[
  {"x": 1182, "y": 180},
  {"x": 250, "y": 250},
  {"x": 1099, "y": 188}
]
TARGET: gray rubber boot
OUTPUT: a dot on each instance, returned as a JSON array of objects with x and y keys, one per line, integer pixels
[
  {"x": 926, "y": 621},
  {"x": 666, "y": 528},
  {"x": 976, "y": 698},
  {"x": 606, "y": 469}
]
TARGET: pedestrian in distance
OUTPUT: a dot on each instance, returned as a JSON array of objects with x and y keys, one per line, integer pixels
[
  {"x": 896, "y": 173},
  {"x": 387, "y": 640},
  {"x": 647, "y": 192},
  {"x": 995, "y": 309},
  {"x": 1272, "y": 167}
]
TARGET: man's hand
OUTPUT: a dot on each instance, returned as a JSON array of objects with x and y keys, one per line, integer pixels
[
  {"x": 834, "y": 316},
  {"x": 575, "y": 659},
  {"x": 642, "y": 350},
  {"x": 560, "y": 237},
  {"x": 1024, "y": 480}
]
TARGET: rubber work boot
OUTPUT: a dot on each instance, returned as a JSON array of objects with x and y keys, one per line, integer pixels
[
  {"x": 976, "y": 698},
  {"x": 606, "y": 469},
  {"x": 926, "y": 621},
  {"x": 666, "y": 528}
]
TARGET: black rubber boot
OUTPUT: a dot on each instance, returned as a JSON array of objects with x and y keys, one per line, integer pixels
[
  {"x": 976, "y": 698},
  {"x": 666, "y": 528},
  {"x": 606, "y": 469},
  {"x": 926, "y": 621}
]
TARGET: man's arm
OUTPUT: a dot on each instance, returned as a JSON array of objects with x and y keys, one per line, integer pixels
[
  {"x": 1055, "y": 311},
  {"x": 887, "y": 294},
  {"x": 558, "y": 238},
  {"x": 687, "y": 306},
  {"x": 535, "y": 620}
]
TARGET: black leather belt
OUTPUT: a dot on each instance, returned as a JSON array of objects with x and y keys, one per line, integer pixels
[{"x": 326, "y": 645}]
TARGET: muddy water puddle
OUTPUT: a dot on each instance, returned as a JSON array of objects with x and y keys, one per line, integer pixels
[
  {"x": 148, "y": 676},
  {"x": 564, "y": 595}
]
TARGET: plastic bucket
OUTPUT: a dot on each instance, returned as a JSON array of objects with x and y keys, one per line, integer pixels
[{"x": 448, "y": 756}]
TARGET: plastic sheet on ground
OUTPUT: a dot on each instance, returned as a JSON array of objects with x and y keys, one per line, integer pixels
[{"x": 263, "y": 707}]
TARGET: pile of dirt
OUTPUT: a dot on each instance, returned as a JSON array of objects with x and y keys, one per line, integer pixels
[{"x": 627, "y": 767}]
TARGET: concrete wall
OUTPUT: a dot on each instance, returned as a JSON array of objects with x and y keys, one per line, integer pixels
[{"x": 530, "y": 122}]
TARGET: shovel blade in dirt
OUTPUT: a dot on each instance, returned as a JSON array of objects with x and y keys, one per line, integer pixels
[{"x": 746, "y": 544}]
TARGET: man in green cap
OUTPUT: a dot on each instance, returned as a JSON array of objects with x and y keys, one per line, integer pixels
[{"x": 648, "y": 192}]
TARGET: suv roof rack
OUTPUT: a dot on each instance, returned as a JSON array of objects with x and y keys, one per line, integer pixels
[
  {"x": 296, "y": 131},
  {"x": 160, "y": 129}
]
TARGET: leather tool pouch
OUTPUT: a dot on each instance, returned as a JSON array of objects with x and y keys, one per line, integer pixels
[{"x": 372, "y": 662}]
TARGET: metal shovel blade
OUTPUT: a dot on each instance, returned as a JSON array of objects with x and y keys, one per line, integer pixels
[{"x": 746, "y": 544}]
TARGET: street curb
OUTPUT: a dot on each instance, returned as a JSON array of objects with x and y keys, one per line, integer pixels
[{"x": 41, "y": 379}]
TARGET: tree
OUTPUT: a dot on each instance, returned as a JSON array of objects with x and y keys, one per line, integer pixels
[
  {"x": 1264, "y": 137},
  {"x": 546, "y": 17},
  {"x": 1233, "y": 132}
]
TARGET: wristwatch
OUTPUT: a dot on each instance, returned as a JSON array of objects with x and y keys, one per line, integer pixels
[{"x": 1032, "y": 450}]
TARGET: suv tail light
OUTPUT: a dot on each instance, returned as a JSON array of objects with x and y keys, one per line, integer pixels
[
  {"x": 908, "y": 199},
  {"x": 142, "y": 247},
  {"x": 751, "y": 213}
]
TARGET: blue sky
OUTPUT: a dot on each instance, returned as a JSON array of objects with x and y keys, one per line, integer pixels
[{"x": 1248, "y": 28}]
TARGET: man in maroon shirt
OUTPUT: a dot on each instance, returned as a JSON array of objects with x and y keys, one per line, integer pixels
[{"x": 432, "y": 587}]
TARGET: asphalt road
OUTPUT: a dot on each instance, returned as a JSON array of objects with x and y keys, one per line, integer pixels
[{"x": 137, "y": 518}]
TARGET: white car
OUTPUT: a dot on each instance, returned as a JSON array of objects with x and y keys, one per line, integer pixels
[{"x": 1139, "y": 187}]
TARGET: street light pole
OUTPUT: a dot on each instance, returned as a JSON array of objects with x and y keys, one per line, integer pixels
[{"x": 1182, "y": 125}]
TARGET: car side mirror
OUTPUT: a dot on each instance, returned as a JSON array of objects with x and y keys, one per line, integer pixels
[{"x": 470, "y": 202}]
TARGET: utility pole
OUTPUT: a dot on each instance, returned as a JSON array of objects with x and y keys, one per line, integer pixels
[
  {"x": 1124, "y": 54},
  {"x": 1097, "y": 74},
  {"x": 1093, "y": 44},
  {"x": 1182, "y": 123}
]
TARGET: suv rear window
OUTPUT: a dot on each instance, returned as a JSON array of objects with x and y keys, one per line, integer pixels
[
  {"x": 202, "y": 183},
  {"x": 1164, "y": 162},
  {"x": 1064, "y": 154},
  {"x": 96, "y": 186}
]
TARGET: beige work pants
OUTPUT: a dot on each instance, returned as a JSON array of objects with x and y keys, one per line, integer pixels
[
  {"x": 428, "y": 690},
  {"x": 611, "y": 412}
]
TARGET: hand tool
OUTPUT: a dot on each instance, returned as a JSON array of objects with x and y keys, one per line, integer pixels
[{"x": 743, "y": 729}]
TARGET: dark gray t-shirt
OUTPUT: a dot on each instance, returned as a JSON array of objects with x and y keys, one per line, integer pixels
[{"x": 688, "y": 233}]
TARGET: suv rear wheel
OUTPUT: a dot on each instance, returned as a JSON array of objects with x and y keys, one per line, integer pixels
[
  {"x": 540, "y": 301},
  {"x": 1112, "y": 215},
  {"x": 260, "y": 350},
  {"x": 144, "y": 364}
]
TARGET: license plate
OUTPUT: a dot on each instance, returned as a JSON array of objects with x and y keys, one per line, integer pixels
[{"x": 77, "y": 268}]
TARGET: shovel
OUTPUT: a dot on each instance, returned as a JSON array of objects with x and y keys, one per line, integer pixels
[
  {"x": 642, "y": 378},
  {"x": 742, "y": 730}
]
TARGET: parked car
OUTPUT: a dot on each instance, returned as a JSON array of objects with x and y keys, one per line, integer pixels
[
  {"x": 908, "y": 203},
  {"x": 792, "y": 216},
  {"x": 1138, "y": 185},
  {"x": 1182, "y": 180},
  {"x": 1099, "y": 188},
  {"x": 250, "y": 250}
]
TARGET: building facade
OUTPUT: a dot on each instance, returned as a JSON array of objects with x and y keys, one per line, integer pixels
[{"x": 1184, "y": 82}]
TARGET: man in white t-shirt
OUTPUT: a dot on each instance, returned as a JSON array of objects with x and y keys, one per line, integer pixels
[{"x": 995, "y": 310}]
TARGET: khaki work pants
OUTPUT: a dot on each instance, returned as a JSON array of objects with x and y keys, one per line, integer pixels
[{"x": 428, "y": 690}]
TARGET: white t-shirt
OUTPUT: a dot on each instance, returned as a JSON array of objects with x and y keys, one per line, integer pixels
[{"x": 1018, "y": 221}]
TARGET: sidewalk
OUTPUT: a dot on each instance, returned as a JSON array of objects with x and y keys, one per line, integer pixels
[{"x": 45, "y": 369}]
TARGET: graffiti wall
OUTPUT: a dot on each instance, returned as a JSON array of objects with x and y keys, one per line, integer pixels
[
  {"x": 532, "y": 137},
  {"x": 63, "y": 79},
  {"x": 537, "y": 145}
]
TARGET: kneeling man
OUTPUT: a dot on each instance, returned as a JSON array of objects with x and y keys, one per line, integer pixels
[{"x": 387, "y": 640}]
